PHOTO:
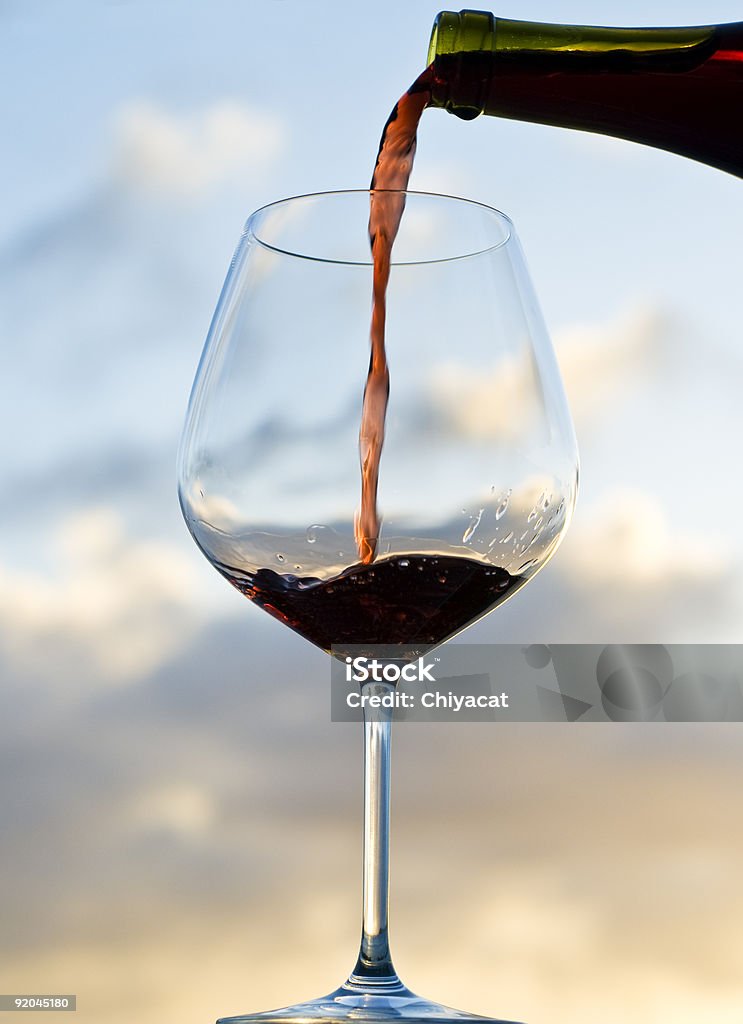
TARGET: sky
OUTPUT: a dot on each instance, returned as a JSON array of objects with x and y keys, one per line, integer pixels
[{"x": 178, "y": 812}]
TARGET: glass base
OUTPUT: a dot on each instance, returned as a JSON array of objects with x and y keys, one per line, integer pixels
[{"x": 384, "y": 1000}]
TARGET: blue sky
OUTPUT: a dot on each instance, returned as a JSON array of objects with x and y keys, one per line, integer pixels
[{"x": 142, "y": 728}]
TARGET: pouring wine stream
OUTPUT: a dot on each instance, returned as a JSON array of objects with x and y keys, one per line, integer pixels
[{"x": 387, "y": 202}]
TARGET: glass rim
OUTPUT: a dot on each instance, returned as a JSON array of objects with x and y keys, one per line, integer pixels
[{"x": 251, "y": 234}]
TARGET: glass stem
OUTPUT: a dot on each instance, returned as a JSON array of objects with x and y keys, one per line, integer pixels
[{"x": 374, "y": 968}]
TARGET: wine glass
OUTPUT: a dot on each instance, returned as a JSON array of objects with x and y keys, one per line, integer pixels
[{"x": 478, "y": 471}]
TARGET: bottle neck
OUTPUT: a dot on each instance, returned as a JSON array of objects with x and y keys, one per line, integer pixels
[{"x": 470, "y": 48}]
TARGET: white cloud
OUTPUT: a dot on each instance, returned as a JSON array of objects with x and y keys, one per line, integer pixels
[
  {"x": 499, "y": 405},
  {"x": 626, "y": 539},
  {"x": 189, "y": 153},
  {"x": 631, "y": 569},
  {"x": 599, "y": 362},
  {"x": 114, "y": 609}
]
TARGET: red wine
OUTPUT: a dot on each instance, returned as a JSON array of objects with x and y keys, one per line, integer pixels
[
  {"x": 390, "y": 179},
  {"x": 415, "y": 600}
]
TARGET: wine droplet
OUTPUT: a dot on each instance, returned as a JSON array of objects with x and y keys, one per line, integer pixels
[
  {"x": 475, "y": 522},
  {"x": 503, "y": 507}
]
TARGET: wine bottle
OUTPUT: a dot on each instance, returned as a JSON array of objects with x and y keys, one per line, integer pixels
[{"x": 678, "y": 89}]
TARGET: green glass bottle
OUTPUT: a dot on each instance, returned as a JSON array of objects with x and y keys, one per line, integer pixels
[{"x": 679, "y": 89}]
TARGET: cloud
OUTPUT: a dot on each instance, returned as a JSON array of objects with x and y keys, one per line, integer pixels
[
  {"x": 598, "y": 363},
  {"x": 627, "y": 572},
  {"x": 164, "y": 832},
  {"x": 498, "y": 405},
  {"x": 172, "y": 809},
  {"x": 190, "y": 153},
  {"x": 113, "y": 608},
  {"x": 625, "y": 539}
]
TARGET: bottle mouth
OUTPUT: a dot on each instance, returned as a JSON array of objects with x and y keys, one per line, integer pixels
[
  {"x": 460, "y": 32},
  {"x": 455, "y": 35}
]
